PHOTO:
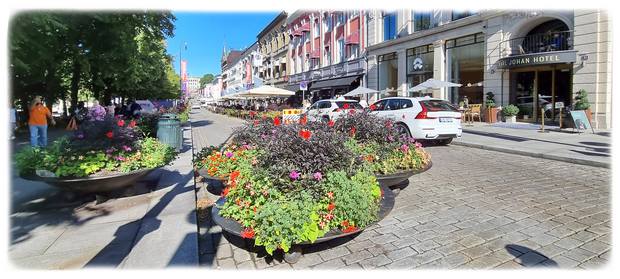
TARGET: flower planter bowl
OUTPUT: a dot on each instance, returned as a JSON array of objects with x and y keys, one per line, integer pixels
[
  {"x": 233, "y": 227},
  {"x": 96, "y": 184},
  {"x": 204, "y": 174},
  {"x": 394, "y": 179}
]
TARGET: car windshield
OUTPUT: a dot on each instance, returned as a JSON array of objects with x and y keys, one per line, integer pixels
[
  {"x": 438, "y": 105},
  {"x": 352, "y": 105}
]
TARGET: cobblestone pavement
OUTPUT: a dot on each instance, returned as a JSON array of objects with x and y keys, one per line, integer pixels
[{"x": 474, "y": 209}]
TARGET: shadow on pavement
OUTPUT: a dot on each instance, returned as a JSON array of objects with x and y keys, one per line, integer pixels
[
  {"x": 595, "y": 143},
  {"x": 201, "y": 123},
  {"x": 591, "y": 153},
  {"x": 529, "y": 257}
]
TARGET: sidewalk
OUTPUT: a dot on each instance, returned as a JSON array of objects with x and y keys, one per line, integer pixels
[
  {"x": 153, "y": 226},
  {"x": 525, "y": 139}
]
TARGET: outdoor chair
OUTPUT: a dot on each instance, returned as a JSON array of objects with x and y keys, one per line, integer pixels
[{"x": 474, "y": 111}]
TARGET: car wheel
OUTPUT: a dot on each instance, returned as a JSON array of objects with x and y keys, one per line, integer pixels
[{"x": 402, "y": 129}]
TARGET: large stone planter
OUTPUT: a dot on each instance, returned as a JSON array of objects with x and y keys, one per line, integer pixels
[
  {"x": 390, "y": 180},
  {"x": 96, "y": 184},
  {"x": 233, "y": 227}
]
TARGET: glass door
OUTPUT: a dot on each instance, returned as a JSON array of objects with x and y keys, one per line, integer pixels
[{"x": 524, "y": 95}]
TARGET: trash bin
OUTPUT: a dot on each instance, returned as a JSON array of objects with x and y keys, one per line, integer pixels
[{"x": 169, "y": 130}]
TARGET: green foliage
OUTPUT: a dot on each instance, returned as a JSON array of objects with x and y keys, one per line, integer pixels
[
  {"x": 510, "y": 110},
  {"x": 28, "y": 160},
  {"x": 490, "y": 100},
  {"x": 356, "y": 197},
  {"x": 206, "y": 79},
  {"x": 581, "y": 100},
  {"x": 152, "y": 154}
]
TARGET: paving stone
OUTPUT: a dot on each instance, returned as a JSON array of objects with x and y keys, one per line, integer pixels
[
  {"x": 383, "y": 239},
  {"x": 562, "y": 262},
  {"x": 551, "y": 250},
  {"x": 246, "y": 265},
  {"x": 428, "y": 256},
  {"x": 453, "y": 260},
  {"x": 561, "y": 232},
  {"x": 543, "y": 239},
  {"x": 596, "y": 247},
  {"x": 515, "y": 237},
  {"x": 490, "y": 234},
  {"x": 224, "y": 251},
  {"x": 360, "y": 245},
  {"x": 241, "y": 255},
  {"x": 425, "y": 235},
  {"x": 331, "y": 264},
  {"x": 404, "y": 242},
  {"x": 401, "y": 253},
  {"x": 406, "y": 263},
  {"x": 585, "y": 236},
  {"x": 568, "y": 243},
  {"x": 307, "y": 260},
  {"x": 509, "y": 265},
  {"x": 425, "y": 246},
  {"x": 580, "y": 255},
  {"x": 226, "y": 263},
  {"x": 450, "y": 248},
  {"x": 471, "y": 241},
  {"x": 600, "y": 229},
  {"x": 333, "y": 253},
  {"x": 483, "y": 263},
  {"x": 357, "y": 256},
  {"x": 476, "y": 251},
  {"x": 594, "y": 263},
  {"x": 375, "y": 262}
]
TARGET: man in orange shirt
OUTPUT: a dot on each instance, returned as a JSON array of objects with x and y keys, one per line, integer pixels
[{"x": 37, "y": 122}]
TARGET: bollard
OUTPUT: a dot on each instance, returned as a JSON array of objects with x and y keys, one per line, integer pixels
[
  {"x": 560, "y": 118},
  {"x": 542, "y": 126}
]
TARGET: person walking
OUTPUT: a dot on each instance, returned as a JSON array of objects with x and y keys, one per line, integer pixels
[{"x": 37, "y": 122}]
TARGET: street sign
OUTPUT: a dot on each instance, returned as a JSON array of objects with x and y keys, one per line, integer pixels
[{"x": 303, "y": 85}]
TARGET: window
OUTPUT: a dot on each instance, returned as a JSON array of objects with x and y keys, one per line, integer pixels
[
  {"x": 354, "y": 51},
  {"x": 389, "y": 26},
  {"x": 340, "y": 18},
  {"x": 456, "y": 15},
  {"x": 341, "y": 54},
  {"x": 438, "y": 105},
  {"x": 317, "y": 31},
  {"x": 325, "y": 105},
  {"x": 387, "y": 73},
  {"x": 421, "y": 21},
  {"x": 378, "y": 106},
  {"x": 392, "y": 104},
  {"x": 327, "y": 23},
  {"x": 352, "y": 105},
  {"x": 327, "y": 57}
]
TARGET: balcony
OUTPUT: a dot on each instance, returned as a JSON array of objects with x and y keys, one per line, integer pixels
[
  {"x": 305, "y": 27},
  {"x": 537, "y": 43},
  {"x": 353, "y": 38}
]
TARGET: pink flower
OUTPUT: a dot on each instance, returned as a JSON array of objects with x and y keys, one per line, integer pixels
[
  {"x": 109, "y": 134},
  {"x": 126, "y": 148},
  {"x": 294, "y": 175},
  {"x": 317, "y": 175},
  {"x": 322, "y": 224},
  {"x": 404, "y": 148},
  {"x": 330, "y": 195},
  {"x": 418, "y": 145},
  {"x": 329, "y": 216},
  {"x": 229, "y": 154},
  {"x": 120, "y": 123}
]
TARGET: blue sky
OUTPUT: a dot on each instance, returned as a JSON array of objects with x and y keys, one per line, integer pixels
[{"x": 205, "y": 33}]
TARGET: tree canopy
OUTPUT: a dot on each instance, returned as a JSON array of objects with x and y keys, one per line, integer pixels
[
  {"x": 204, "y": 80},
  {"x": 61, "y": 55}
]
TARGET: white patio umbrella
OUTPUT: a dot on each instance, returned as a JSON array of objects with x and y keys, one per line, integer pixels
[
  {"x": 361, "y": 91},
  {"x": 433, "y": 84},
  {"x": 266, "y": 91}
]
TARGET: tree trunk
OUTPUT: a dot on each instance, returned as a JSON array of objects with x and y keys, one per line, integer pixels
[{"x": 75, "y": 83}]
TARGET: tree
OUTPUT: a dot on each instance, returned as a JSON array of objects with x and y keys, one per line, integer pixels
[{"x": 204, "y": 80}]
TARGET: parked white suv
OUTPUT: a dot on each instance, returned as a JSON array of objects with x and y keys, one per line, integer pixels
[
  {"x": 422, "y": 118},
  {"x": 331, "y": 109}
]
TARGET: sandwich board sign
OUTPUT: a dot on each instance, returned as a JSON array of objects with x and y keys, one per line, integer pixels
[{"x": 580, "y": 120}]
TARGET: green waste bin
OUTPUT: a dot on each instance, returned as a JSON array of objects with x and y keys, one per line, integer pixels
[{"x": 169, "y": 130}]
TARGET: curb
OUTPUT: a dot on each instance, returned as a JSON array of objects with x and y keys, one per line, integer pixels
[{"x": 535, "y": 155}]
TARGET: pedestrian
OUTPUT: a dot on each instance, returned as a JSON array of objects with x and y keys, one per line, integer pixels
[
  {"x": 97, "y": 112},
  {"x": 37, "y": 122},
  {"x": 80, "y": 113},
  {"x": 13, "y": 119},
  {"x": 109, "y": 110},
  {"x": 135, "y": 110}
]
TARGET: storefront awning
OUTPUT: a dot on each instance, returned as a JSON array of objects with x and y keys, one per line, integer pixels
[
  {"x": 292, "y": 87},
  {"x": 339, "y": 82}
]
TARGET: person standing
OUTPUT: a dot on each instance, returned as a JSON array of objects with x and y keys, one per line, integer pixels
[
  {"x": 13, "y": 118},
  {"x": 37, "y": 122},
  {"x": 135, "y": 110}
]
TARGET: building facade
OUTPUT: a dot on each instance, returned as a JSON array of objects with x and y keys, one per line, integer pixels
[
  {"x": 240, "y": 73},
  {"x": 326, "y": 51},
  {"x": 272, "y": 49},
  {"x": 536, "y": 60},
  {"x": 193, "y": 84}
]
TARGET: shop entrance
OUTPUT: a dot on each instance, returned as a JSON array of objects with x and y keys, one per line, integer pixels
[{"x": 539, "y": 91}]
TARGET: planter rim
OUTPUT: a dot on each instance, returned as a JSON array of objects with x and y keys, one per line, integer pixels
[
  {"x": 406, "y": 172},
  {"x": 231, "y": 226},
  {"x": 80, "y": 179}
]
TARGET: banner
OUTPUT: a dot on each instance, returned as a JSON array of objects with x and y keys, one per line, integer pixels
[{"x": 183, "y": 70}]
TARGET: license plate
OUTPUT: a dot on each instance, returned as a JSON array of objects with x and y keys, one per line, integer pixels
[{"x": 445, "y": 119}]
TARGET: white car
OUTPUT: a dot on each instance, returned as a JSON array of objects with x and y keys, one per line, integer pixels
[
  {"x": 331, "y": 109},
  {"x": 195, "y": 105},
  {"x": 422, "y": 118}
]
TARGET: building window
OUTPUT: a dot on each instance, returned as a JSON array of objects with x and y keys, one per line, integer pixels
[
  {"x": 419, "y": 66},
  {"x": 421, "y": 21},
  {"x": 387, "y": 75},
  {"x": 317, "y": 31},
  {"x": 389, "y": 26},
  {"x": 328, "y": 23},
  {"x": 354, "y": 52},
  {"x": 465, "y": 65},
  {"x": 341, "y": 54},
  {"x": 340, "y": 18},
  {"x": 327, "y": 57},
  {"x": 456, "y": 15}
]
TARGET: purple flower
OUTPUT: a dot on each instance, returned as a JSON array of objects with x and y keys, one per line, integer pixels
[
  {"x": 390, "y": 138},
  {"x": 119, "y": 158},
  {"x": 229, "y": 154},
  {"x": 246, "y": 146},
  {"x": 126, "y": 148},
  {"x": 405, "y": 148},
  {"x": 294, "y": 175},
  {"x": 317, "y": 175},
  {"x": 79, "y": 135},
  {"x": 110, "y": 150},
  {"x": 97, "y": 113}
]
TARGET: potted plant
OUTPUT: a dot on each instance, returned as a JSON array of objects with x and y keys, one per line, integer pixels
[
  {"x": 510, "y": 112},
  {"x": 102, "y": 155},
  {"x": 582, "y": 103},
  {"x": 491, "y": 110}
]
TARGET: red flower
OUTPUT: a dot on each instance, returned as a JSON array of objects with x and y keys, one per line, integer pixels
[
  {"x": 276, "y": 121},
  {"x": 132, "y": 124},
  {"x": 305, "y": 134},
  {"x": 329, "y": 216},
  {"x": 331, "y": 123},
  {"x": 247, "y": 233},
  {"x": 344, "y": 223},
  {"x": 352, "y": 131},
  {"x": 352, "y": 111},
  {"x": 331, "y": 207},
  {"x": 330, "y": 195},
  {"x": 303, "y": 120},
  {"x": 345, "y": 106},
  {"x": 234, "y": 175},
  {"x": 252, "y": 114},
  {"x": 349, "y": 229},
  {"x": 388, "y": 124},
  {"x": 120, "y": 123},
  {"x": 373, "y": 107},
  {"x": 255, "y": 122},
  {"x": 109, "y": 134},
  {"x": 225, "y": 191}
]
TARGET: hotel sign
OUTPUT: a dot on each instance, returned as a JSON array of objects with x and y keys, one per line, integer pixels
[{"x": 557, "y": 57}]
